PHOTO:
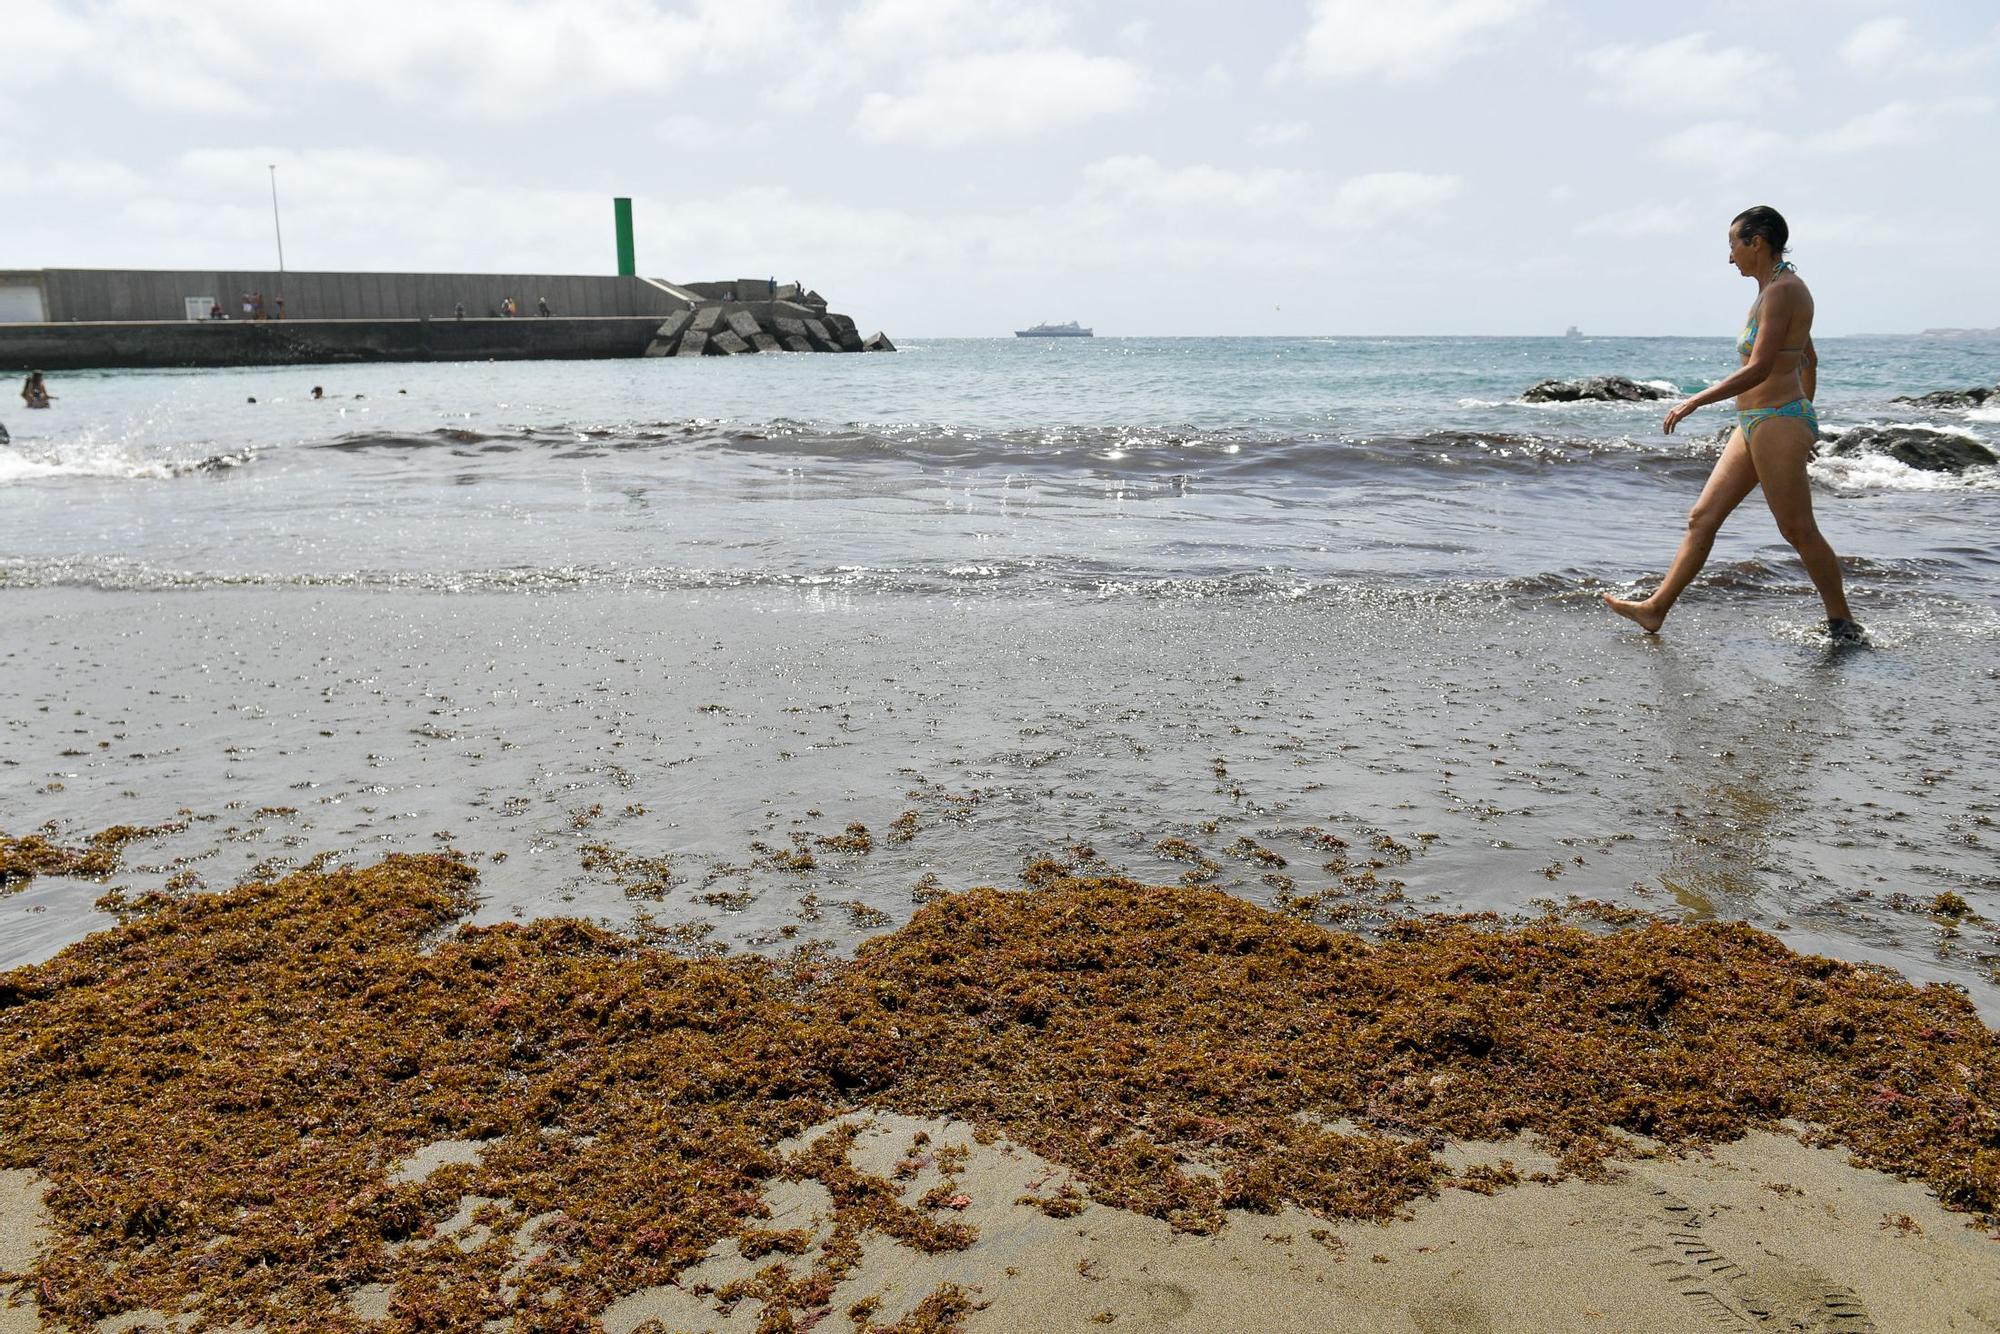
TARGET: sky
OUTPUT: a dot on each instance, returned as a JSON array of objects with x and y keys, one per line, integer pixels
[{"x": 966, "y": 167}]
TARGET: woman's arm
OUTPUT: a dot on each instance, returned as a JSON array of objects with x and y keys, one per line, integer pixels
[
  {"x": 1809, "y": 370},
  {"x": 1775, "y": 317}
]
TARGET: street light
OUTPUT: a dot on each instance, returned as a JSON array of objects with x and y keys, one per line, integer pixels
[{"x": 275, "y": 226}]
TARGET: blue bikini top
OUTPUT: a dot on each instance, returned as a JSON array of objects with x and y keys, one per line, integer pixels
[{"x": 1747, "y": 340}]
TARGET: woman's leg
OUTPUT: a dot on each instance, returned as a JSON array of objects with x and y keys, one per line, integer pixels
[
  {"x": 1783, "y": 446},
  {"x": 1734, "y": 477}
]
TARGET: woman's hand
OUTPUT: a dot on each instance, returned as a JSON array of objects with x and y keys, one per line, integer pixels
[{"x": 1676, "y": 413}]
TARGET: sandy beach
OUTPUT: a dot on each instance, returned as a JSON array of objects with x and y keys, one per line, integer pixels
[{"x": 1763, "y": 1232}]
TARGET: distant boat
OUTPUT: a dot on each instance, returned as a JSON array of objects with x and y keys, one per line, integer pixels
[
  {"x": 1572, "y": 332},
  {"x": 1070, "y": 330}
]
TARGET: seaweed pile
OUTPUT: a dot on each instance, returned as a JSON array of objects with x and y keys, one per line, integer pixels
[
  {"x": 30, "y": 855},
  {"x": 218, "y": 1088}
]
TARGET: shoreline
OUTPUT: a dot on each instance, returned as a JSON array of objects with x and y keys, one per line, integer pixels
[{"x": 1192, "y": 1075}]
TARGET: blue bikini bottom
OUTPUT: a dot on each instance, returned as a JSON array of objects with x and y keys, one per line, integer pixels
[{"x": 1749, "y": 418}]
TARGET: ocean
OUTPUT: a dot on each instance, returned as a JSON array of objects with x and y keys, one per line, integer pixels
[{"x": 1315, "y": 619}]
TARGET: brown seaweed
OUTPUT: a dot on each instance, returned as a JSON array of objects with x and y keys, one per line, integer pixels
[{"x": 216, "y": 1090}]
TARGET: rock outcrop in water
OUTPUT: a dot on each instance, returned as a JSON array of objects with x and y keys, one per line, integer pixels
[
  {"x": 1975, "y": 397},
  {"x": 1922, "y": 447},
  {"x": 1600, "y": 388},
  {"x": 791, "y": 323}
]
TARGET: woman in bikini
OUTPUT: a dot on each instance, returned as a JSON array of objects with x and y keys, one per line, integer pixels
[{"x": 1775, "y": 429}]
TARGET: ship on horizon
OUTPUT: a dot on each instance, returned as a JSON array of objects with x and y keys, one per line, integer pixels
[{"x": 1070, "y": 330}]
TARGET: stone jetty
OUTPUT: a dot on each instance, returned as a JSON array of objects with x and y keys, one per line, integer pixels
[{"x": 789, "y": 321}]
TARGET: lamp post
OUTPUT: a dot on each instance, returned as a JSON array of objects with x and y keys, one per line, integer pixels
[{"x": 275, "y": 225}]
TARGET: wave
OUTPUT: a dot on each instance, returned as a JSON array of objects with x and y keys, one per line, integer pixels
[
  {"x": 1031, "y": 576},
  {"x": 19, "y": 465},
  {"x": 1167, "y": 452},
  {"x": 1169, "y": 456}
]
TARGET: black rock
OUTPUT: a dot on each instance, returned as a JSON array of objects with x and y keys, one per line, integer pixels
[
  {"x": 877, "y": 342},
  {"x": 1916, "y": 446},
  {"x": 1977, "y": 396},
  {"x": 1601, "y": 388}
]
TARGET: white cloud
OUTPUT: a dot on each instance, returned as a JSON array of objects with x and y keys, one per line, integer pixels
[
  {"x": 503, "y": 59},
  {"x": 1877, "y": 43},
  {"x": 1728, "y": 148},
  {"x": 690, "y": 132},
  {"x": 1145, "y": 181},
  {"x": 1688, "y": 74},
  {"x": 1203, "y": 191},
  {"x": 1273, "y": 133},
  {"x": 1731, "y": 149},
  {"x": 1898, "y": 123},
  {"x": 84, "y": 180},
  {"x": 1864, "y": 229},
  {"x": 1641, "y": 221},
  {"x": 1404, "y": 40},
  {"x": 1386, "y": 196},
  {"x": 888, "y": 32},
  {"x": 1886, "y": 46},
  {"x": 1356, "y": 204},
  {"x": 1013, "y": 94}
]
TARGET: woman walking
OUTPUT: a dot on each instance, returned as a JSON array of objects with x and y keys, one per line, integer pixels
[{"x": 1775, "y": 433}]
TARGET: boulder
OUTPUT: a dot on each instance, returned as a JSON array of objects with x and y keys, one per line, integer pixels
[
  {"x": 845, "y": 335},
  {"x": 1599, "y": 388},
  {"x": 1921, "y": 447},
  {"x": 763, "y": 342},
  {"x": 694, "y": 343},
  {"x": 877, "y": 342},
  {"x": 797, "y": 343},
  {"x": 705, "y": 318},
  {"x": 1975, "y": 397},
  {"x": 743, "y": 324},
  {"x": 676, "y": 322},
  {"x": 813, "y": 299},
  {"x": 816, "y": 331},
  {"x": 788, "y": 327},
  {"x": 727, "y": 341},
  {"x": 660, "y": 347}
]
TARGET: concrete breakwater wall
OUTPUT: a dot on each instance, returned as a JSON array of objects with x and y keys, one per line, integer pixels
[
  {"x": 159, "y": 345},
  {"x": 61, "y": 295},
  {"x": 78, "y": 319},
  {"x": 710, "y": 329}
]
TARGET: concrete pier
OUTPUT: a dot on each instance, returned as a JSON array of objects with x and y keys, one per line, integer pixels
[
  {"x": 101, "y": 319},
  {"x": 160, "y": 344}
]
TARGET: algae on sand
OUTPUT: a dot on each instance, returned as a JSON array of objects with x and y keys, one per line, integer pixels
[{"x": 217, "y": 1089}]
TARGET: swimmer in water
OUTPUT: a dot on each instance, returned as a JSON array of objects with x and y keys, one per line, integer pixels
[
  {"x": 1776, "y": 430},
  {"x": 35, "y": 391}
]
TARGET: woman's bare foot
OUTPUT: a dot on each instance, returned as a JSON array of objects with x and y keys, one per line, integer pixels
[{"x": 1637, "y": 612}]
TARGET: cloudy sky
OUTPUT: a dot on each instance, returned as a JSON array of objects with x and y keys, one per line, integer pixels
[{"x": 948, "y": 167}]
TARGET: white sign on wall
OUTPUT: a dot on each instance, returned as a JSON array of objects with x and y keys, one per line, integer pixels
[
  {"x": 198, "y": 307},
  {"x": 21, "y": 303}
]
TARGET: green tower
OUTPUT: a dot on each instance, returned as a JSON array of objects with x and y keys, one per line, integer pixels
[{"x": 621, "y": 212}]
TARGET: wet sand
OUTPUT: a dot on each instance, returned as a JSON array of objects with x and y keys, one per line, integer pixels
[{"x": 1527, "y": 755}]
